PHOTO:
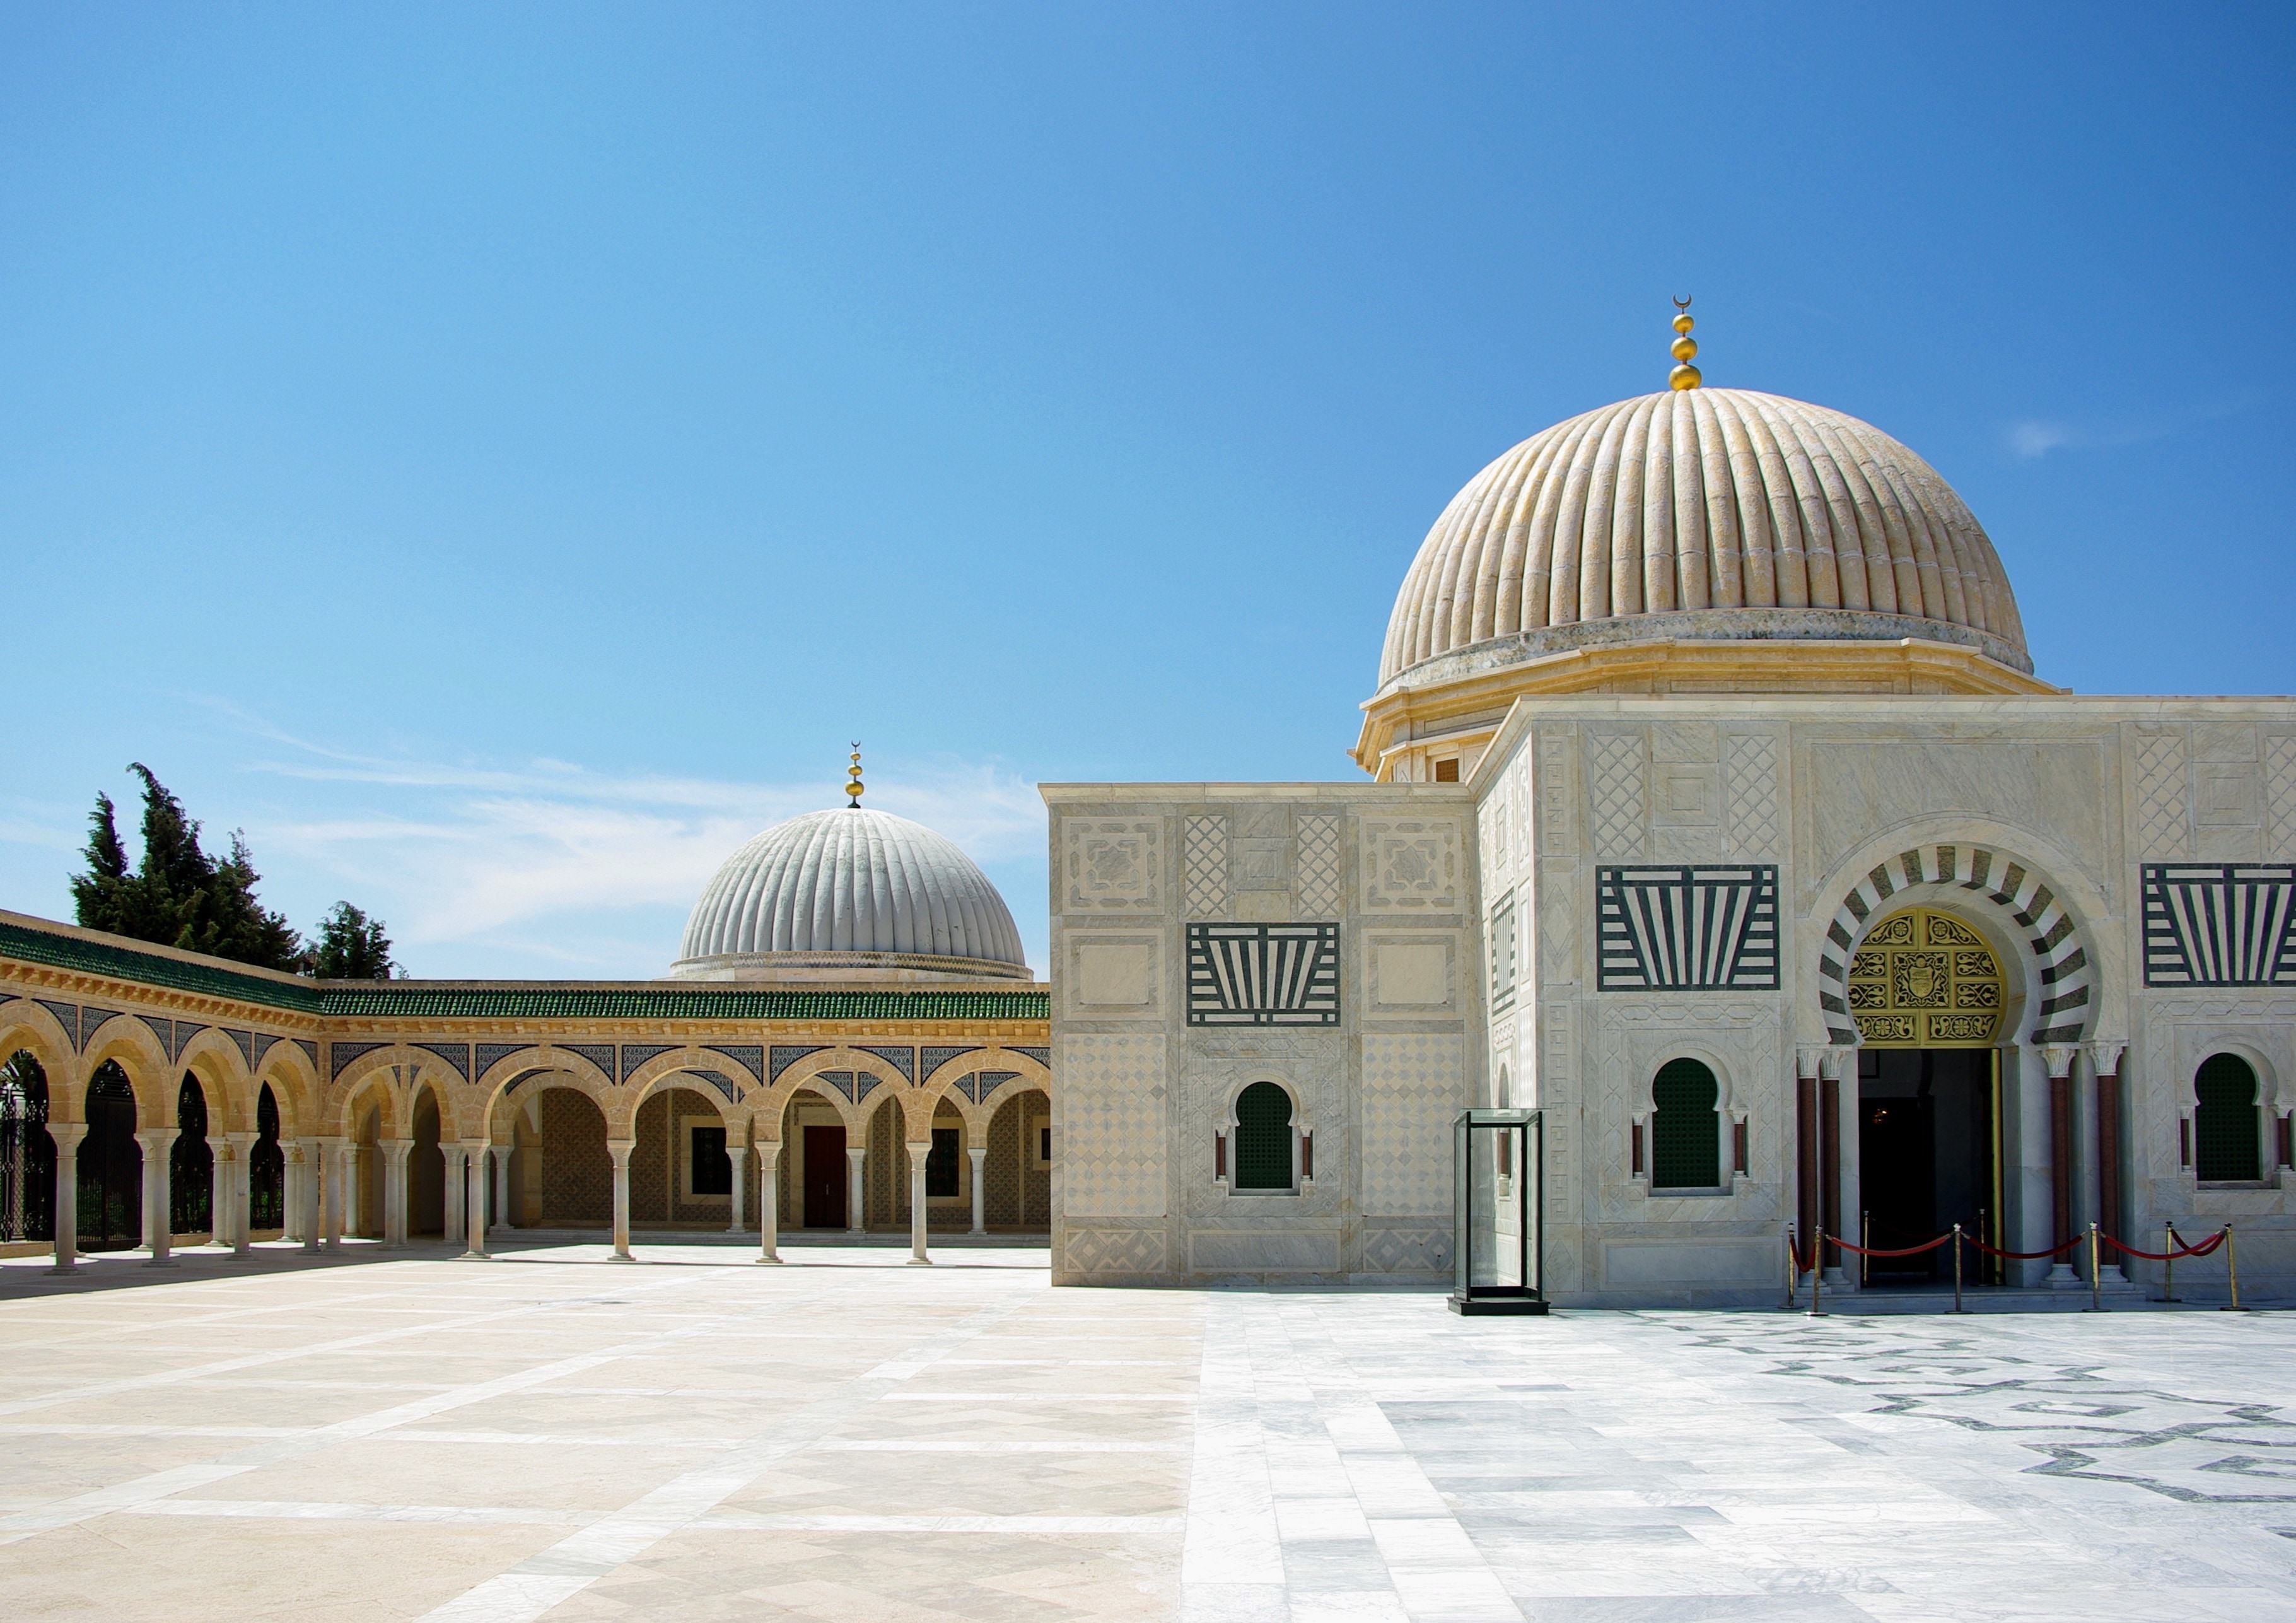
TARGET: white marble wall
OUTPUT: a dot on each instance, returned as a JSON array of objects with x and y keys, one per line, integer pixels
[{"x": 1136, "y": 1194}]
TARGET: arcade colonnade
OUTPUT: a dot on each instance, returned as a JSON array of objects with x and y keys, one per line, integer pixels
[{"x": 455, "y": 1110}]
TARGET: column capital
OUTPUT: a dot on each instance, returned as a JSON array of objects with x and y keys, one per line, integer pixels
[
  {"x": 2060, "y": 1057},
  {"x": 621, "y": 1149},
  {"x": 739, "y": 1152},
  {"x": 158, "y": 1138},
  {"x": 853, "y": 1152},
  {"x": 2104, "y": 1056},
  {"x": 67, "y": 1134},
  {"x": 395, "y": 1146},
  {"x": 917, "y": 1153},
  {"x": 1808, "y": 1061},
  {"x": 243, "y": 1141}
]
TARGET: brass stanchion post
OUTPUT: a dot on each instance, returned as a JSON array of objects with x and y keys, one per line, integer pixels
[
  {"x": 2232, "y": 1269},
  {"x": 1864, "y": 1263},
  {"x": 2095, "y": 1286},
  {"x": 2168, "y": 1277},
  {"x": 1793, "y": 1266},
  {"x": 1817, "y": 1274},
  {"x": 1957, "y": 1267}
]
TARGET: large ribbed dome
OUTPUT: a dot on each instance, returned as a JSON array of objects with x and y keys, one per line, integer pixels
[
  {"x": 1704, "y": 514},
  {"x": 851, "y": 888}
]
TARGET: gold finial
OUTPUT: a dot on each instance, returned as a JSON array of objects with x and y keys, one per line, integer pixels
[
  {"x": 856, "y": 786},
  {"x": 1684, "y": 376}
]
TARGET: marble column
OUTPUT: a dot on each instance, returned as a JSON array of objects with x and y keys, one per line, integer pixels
[
  {"x": 474, "y": 1203},
  {"x": 769, "y": 1201},
  {"x": 66, "y": 1137},
  {"x": 337, "y": 1218},
  {"x": 395, "y": 1152},
  {"x": 855, "y": 1188},
  {"x": 291, "y": 1190},
  {"x": 243, "y": 1192},
  {"x": 219, "y": 1229},
  {"x": 621, "y": 1153},
  {"x": 1828, "y": 1159},
  {"x": 739, "y": 1154},
  {"x": 2104, "y": 1059},
  {"x": 156, "y": 1142},
  {"x": 2059, "y": 1057},
  {"x": 450, "y": 1223},
  {"x": 502, "y": 1154},
  {"x": 979, "y": 1154},
  {"x": 312, "y": 1193},
  {"x": 918, "y": 1227},
  {"x": 1806, "y": 1201}
]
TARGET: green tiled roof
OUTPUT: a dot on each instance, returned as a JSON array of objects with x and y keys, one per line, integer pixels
[
  {"x": 368, "y": 1000},
  {"x": 98, "y": 958},
  {"x": 417, "y": 1000}
]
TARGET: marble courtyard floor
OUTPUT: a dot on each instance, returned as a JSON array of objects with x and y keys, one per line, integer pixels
[{"x": 693, "y": 1437}]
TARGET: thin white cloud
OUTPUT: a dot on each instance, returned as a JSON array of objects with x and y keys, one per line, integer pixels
[
  {"x": 2035, "y": 437},
  {"x": 528, "y": 859},
  {"x": 2027, "y": 439}
]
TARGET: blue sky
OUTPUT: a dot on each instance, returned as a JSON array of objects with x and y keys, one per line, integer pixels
[{"x": 499, "y": 456}]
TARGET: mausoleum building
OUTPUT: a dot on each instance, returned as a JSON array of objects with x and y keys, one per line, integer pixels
[{"x": 1717, "y": 813}]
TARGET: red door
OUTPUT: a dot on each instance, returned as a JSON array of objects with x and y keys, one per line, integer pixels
[{"x": 824, "y": 1177}]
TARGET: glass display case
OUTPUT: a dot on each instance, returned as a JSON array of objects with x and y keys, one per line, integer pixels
[{"x": 1497, "y": 1163}]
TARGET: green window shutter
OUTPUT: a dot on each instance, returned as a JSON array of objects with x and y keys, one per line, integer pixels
[
  {"x": 1263, "y": 1138},
  {"x": 2226, "y": 1124},
  {"x": 1685, "y": 1132}
]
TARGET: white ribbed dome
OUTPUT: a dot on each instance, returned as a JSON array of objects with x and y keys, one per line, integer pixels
[
  {"x": 855, "y": 886},
  {"x": 1708, "y": 514}
]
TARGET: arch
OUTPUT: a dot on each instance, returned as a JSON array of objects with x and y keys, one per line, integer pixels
[
  {"x": 1265, "y": 1127},
  {"x": 794, "y": 1176},
  {"x": 27, "y": 1025},
  {"x": 1018, "y": 1195},
  {"x": 692, "y": 1070},
  {"x": 191, "y": 1161},
  {"x": 577, "y": 1169},
  {"x": 1685, "y": 1127},
  {"x": 426, "y": 1118},
  {"x": 127, "y": 1043},
  {"x": 852, "y": 1064},
  {"x": 672, "y": 1181},
  {"x": 267, "y": 1164},
  {"x": 28, "y": 1155},
  {"x": 552, "y": 1067},
  {"x": 109, "y": 1165},
  {"x": 2016, "y": 896},
  {"x": 214, "y": 1060},
  {"x": 284, "y": 1068},
  {"x": 989, "y": 1057},
  {"x": 2226, "y": 1138}
]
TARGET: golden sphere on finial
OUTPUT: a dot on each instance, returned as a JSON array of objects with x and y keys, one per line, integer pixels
[
  {"x": 856, "y": 786},
  {"x": 1685, "y": 375}
]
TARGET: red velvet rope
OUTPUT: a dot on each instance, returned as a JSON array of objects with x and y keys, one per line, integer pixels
[
  {"x": 1908, "y": 1251},
  {"x": 2024, "y": 1257},
  {"x": 2202, "y": 1249},
  {"x": 2206, "y": 1247}
]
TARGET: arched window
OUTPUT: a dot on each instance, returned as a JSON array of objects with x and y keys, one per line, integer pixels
[
  {"x": 1685, "y": 1132},
  {"x": 2225, "y": 1123},
  {"x": 1263, "y": 1137}
]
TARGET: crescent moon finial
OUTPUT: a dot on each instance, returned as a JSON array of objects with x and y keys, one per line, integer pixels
[{"x": 1682, "y": 304}]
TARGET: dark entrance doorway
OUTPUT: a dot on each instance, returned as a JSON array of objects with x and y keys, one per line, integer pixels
[
  {"x": 111, "y": 1166},
  {"x": 824, "y": 1177},
  {"x": 1928, "y": 1143}
]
